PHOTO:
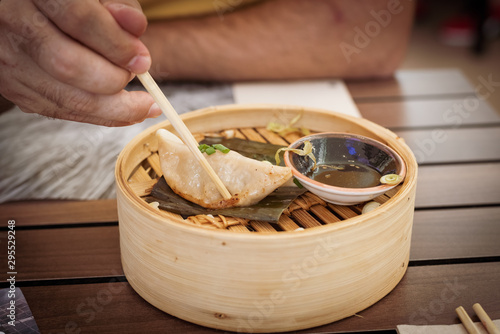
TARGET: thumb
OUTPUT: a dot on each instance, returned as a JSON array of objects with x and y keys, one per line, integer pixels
[{"x": 128, "y": 14}]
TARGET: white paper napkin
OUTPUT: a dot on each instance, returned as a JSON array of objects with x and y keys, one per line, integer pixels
[
  {"x": 325, "y": 94},
  {"x": 442, "y": 329}
]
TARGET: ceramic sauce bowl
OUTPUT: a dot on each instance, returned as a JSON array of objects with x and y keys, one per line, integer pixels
[{"x": 348, "y": 167}]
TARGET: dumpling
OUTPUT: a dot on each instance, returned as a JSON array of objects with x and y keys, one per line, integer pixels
[{"x": 247, "y": 180}]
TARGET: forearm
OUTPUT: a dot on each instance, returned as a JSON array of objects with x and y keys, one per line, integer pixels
[{"x": 283, "y": 39}]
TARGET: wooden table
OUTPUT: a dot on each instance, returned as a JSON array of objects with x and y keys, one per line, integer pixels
[{"x": 68, "y": 257}]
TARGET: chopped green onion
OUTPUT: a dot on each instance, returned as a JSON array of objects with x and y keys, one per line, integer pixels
[
  {"x": 221, "y": 148},
  {"x": 390, "y": 179},
  {"x": 210, "y": 150},
  {"x": 204, "y": 148},
  {"x": 297, "y": 183}
]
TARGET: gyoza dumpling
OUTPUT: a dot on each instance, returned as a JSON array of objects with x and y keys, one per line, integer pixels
[{"x": 247, "y": 180}]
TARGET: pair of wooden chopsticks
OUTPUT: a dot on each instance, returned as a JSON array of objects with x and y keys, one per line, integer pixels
[
  {"x": 483, "y": 316},
  {"x": 186, "y": 136}
]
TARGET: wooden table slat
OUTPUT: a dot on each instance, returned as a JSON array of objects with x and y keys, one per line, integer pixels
[
  {"x": 458, "y": 185},
  {"x": 453, "y": 145},
  {"x": 455, "y": 233},
  {"x": 53, "y": 212},
  {"x": 66, "y": 253},
  {"x": 411, "y": 83},
  {"x": 416, "y": 114}
]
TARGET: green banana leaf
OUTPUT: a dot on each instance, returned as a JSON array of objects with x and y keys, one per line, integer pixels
[{"x": 269, "y": 209}]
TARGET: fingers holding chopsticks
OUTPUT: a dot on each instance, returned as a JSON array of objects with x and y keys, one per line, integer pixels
[
  {"x": 71, "y": 59},
  {"x": 40, "y": 93}
]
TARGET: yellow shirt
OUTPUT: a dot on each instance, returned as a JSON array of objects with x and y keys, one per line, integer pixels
[{"x": 168, "y": 9}]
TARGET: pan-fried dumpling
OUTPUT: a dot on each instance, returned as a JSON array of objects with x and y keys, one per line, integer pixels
[{"x": 247, "y": 180}]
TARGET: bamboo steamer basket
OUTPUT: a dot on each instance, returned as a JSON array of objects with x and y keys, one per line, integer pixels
[{"x": 263, "y": 282}]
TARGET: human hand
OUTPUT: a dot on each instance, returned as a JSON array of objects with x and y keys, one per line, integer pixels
[{"x": 71, "y": 59}]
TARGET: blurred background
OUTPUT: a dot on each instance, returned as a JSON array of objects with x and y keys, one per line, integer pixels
[{"x": 463, "y": 34}]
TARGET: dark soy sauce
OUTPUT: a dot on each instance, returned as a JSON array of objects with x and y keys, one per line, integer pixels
[{"x": 349, "y": 175}]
